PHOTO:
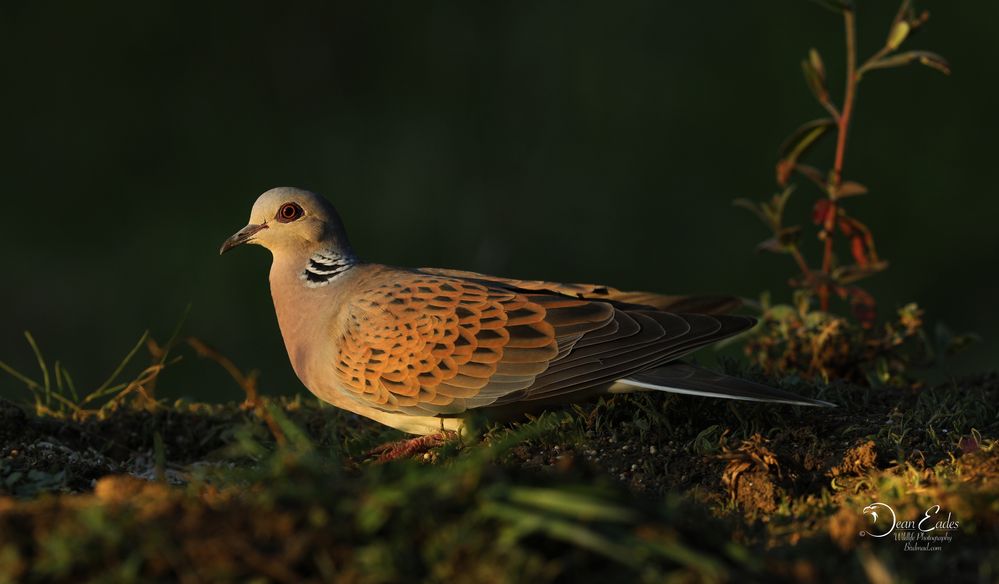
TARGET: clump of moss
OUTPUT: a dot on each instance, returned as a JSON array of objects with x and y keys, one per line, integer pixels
[{"x": 797, "y": 339}]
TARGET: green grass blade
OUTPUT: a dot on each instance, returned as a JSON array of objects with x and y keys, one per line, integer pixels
[
  {"x": 563, "y": 502},
  {"x": 70, "y": 385},
  {"x": 58, "y": 377},
  {"x": 97, "y": 394},
  {"x": 66, "y": 402},
  {"x": 121, "y": 367},
  {"x": 525, "y": 522},
  {"x": 33, "y": 385},
  {"x": 46, "y": 382},
  {"x": 296, "y": 436},
  {"x": 175, "y": 334}
]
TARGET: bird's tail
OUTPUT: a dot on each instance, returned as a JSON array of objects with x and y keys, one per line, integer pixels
[{"x": 685, "y": 378}]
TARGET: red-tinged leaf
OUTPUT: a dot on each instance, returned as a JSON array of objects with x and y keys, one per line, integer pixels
[
  {"x": 803, "y": 138},
  {"x": 845, "y": 226},
  {"x": 850, "y": 189},
  {"x": 969, "y": 444},
  {"x": 860, "y": 230},
  {"x": 859, "y": 251},
  {"x": 916, "y": 21},
  {"x": 784, "y": 168},
  {"x": 821, "y": 211},
  {"x": 863, "y": 305},
  {"x": 866, "y": 314}
]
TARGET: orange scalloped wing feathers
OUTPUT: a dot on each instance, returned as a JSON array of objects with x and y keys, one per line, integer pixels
[{"x": 429, "y": 344}]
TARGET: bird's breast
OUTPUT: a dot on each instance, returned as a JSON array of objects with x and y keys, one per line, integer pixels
[{"x": 299, "y": 317}]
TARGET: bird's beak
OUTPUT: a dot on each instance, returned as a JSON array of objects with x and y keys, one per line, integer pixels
[{"x": 242, "y": 236}]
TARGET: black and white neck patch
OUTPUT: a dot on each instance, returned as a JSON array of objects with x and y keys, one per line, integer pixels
[{"x": 324, "y": 266}]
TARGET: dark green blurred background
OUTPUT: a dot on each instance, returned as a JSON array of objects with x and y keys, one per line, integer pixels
[{"x": 581, "y": 141}]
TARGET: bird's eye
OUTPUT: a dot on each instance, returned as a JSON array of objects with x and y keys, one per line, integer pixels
[{"x": 289, "y": 212}]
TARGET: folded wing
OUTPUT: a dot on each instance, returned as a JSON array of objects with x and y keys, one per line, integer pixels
[{"x": 441, "y": 342}]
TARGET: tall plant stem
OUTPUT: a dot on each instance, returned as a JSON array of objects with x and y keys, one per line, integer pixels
[{"x": 843, "y": 126}]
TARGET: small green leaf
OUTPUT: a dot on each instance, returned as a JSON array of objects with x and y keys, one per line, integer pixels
[
  {"x": 816, "y": 61},
  {"x": 898, "y": 34},
  {"x": 934, "y": 61},
  {"x": 782, "y": 241},
  {"x": 798, "y": 143},
  {"x": 927, "y": 58},
  {"x": 815, "y": 76},
  {"x": 771, "y": 212},
  {"x": 756, "y": 209},
  {"x": 854, "y": 273},
  {"x": 780, "y": 201},
  {"x": 708, "y": 440}
]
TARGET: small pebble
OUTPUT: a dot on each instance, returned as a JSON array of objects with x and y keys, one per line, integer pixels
[{"x": 652, "y": 449}]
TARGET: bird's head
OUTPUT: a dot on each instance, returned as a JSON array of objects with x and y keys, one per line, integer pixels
[{"x": 289, "y": 219}]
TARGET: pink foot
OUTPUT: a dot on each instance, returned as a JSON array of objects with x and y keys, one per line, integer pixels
[{"x": 410, "y": 447}]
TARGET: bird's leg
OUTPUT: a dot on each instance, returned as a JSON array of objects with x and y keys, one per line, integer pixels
[{"x": 411, "y": 447}]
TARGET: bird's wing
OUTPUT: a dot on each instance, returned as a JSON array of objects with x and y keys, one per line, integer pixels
[
  {"x": 701, "y": 304},
  {"x": 426, "y": 343}
]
